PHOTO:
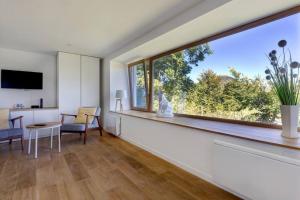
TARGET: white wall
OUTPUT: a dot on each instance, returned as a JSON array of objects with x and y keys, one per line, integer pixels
[
  {"x": 119, "y": 81},
  {"x": 193, "y": 150},
  {"x": 114, "y": 75},
  {"x": 105, "y": 90},
  {"x": 29, "y": 61}
]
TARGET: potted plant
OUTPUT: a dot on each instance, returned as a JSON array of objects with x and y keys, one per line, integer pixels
[{"x": 284, "y": 79}]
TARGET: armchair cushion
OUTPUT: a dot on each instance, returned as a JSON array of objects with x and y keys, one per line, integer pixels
[
  {"x": 81, "y": 117},
  {"x": 4, "y": 118},
  {"x": 72, "y": 127},
  {"x": 11, "y": 132}
]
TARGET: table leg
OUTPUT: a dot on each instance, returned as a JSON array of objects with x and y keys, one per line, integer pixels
[
  {"x": 51, "y": 139},
  {"x": 29, "y": 141},
  {"x": 36, "y": 143},
  {"x": 59, "y": 148}
]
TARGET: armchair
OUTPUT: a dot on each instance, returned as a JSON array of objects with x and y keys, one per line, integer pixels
[
  {"x": 12, "y": 132},
  {"x": 82, "y": 128}
]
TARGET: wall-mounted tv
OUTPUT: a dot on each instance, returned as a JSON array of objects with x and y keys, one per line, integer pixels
[{"x": 21, "y": 79}]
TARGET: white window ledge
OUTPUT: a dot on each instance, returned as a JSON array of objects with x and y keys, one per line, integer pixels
[{"x": 264, "y": 135}]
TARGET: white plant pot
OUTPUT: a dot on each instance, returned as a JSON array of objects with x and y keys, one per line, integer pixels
[{"x": 290, "y": 119}]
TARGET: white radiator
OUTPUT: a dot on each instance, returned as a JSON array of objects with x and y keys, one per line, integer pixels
[
  {"x": 256, "y": 174},
  {"x": 114, "y": 126}
]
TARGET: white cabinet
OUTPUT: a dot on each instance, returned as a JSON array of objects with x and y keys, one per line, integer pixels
[
  {"x": 45, "y": 115},
  {"x": 78, "y": 82},
  {"x": 68, "y": 69},
  {"x": 90, "y": 72},
  {"x": 31, "y": 116}
]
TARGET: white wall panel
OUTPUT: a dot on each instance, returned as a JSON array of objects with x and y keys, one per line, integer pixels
[
  {"x": 68, "y": 82},
  {"x": 90, "y": 81}
]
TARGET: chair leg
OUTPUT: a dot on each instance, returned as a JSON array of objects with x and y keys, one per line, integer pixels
[
  {"x": 100, "y": 130},
  {"x": 22, "y": 143},
  {"x": 99, "y": 125},
  {"x": 85, "y": 136}
]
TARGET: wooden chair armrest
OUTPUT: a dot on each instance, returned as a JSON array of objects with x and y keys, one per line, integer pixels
[
  {"x": 71, "y": 115},
  {"x": 63, "y": 116},
  {"x": 17, "y": 118},
  {"x": 14, "y": 119},
  {"x": 91, "y": 115}
]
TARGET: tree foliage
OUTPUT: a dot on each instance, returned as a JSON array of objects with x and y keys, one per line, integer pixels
[
  {"x": 172, "y": 70},
  {"x": 234, "y": 96}
]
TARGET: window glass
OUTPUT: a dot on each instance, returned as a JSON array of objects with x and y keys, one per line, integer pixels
[
  {"x": 138, "y": 86},
  {"x": 225, "y": 78}
]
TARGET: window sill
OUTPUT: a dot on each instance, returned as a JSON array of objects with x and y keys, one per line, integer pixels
[{"x": 258, "y": 134}]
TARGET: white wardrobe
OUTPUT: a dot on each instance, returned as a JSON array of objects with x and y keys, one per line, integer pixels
[{"x": 78, "y": 82}]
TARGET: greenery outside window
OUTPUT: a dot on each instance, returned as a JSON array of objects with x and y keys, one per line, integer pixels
[{"x": 138, "y": 86}]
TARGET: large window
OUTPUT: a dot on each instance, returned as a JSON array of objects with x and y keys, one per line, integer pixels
[{"x": 224, "y": 78}]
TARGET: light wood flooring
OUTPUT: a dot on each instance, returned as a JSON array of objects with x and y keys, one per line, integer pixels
[{"x": 104, "y": 168}]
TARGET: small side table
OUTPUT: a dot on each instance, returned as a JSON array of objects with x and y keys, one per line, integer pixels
[{"x": 36, "y": 127}]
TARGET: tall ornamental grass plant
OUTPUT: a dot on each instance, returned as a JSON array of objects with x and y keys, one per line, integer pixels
[{"x": 284, "y": 75}]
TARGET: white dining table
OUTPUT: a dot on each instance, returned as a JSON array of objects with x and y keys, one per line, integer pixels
[{"x": 35, "y": 128}]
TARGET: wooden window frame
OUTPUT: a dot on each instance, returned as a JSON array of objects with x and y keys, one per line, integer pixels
[
  {"x": 146, "y": 86},
  {"x": 238, "y": 29}
]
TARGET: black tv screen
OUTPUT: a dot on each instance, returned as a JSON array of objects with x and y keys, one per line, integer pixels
[{"x": 21, "y": 79}]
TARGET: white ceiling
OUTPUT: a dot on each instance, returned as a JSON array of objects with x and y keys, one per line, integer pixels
[
  {"x": 91, "y": 27},
  {"x": 229, "y": 15}
]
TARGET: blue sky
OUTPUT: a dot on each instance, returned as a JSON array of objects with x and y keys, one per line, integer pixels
[{"x": 246, "y": 50}]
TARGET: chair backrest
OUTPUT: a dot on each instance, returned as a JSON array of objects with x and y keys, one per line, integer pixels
[
  {"x": 4, "y": 118},
  {"x": 97, "y": 113}
]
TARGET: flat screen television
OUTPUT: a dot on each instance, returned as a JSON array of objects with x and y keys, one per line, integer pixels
[{"x": 21, "y": 79}]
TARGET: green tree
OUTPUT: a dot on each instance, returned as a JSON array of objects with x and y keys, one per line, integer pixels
[
  {"x": 206, "y": 95},
  {"x": 238, "y": 92},
  {"x": 235, "y": 97},
  {"x": 198, "y": 53},
  {"x": 243, "y": 93},
  {"x": 265, "y": 102},
  {"x": 171, "y": 72}
]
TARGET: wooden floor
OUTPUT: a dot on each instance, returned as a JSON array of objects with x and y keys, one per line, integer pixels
[{"x": 104, "y": 168}]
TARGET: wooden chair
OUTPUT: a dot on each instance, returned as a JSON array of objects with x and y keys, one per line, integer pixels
[{"x": 82, "y": 128}]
